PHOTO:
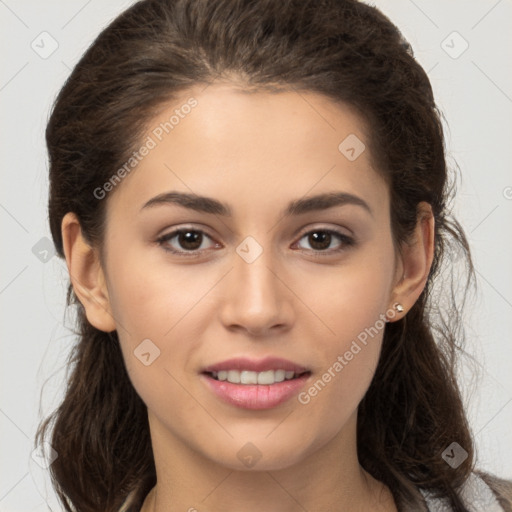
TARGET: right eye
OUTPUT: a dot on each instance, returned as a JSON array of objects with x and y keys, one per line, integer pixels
[{"x": 190, "y": 240}]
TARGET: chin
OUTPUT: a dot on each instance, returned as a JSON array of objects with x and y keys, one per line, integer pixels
[{"x": 261, "y": 456}]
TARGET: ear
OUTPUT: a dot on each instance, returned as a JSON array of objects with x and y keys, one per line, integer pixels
[
  {"x": 86, "y": 274},
  {"x": 415, "y": 259}
]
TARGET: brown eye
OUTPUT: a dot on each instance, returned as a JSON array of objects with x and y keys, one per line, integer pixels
[
  {"x": 190, "y": 240},
  {"x": 320, "y": 240},
  {"x": 183, "y": 241}
]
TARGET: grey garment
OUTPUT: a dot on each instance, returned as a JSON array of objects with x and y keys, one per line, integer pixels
[{"x": 476, "y": 495}]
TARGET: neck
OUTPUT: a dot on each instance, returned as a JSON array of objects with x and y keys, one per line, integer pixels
[{"x": 328, "y": 479}]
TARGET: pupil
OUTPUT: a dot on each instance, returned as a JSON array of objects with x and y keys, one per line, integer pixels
[
  {"x": 320, "y": 237},
  {"x": 190, "y": 240}
]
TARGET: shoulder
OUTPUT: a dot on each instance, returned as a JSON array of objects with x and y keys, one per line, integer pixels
[{"x": 501, "y": 488}]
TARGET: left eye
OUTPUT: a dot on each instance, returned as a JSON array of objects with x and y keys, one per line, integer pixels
[{"x": 320, "y": 239}]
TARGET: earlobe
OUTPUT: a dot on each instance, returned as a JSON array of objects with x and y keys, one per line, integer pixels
[
  {"x": 86, "y": 274},
  {"x": 416, "y": 260}
]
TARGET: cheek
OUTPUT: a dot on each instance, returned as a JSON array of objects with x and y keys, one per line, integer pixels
[
  {"x": 352, "y": 303},
  {"x": 351, "y": 357},
  {"x": 149, "y": 299},
  {"x": 163, "y": 305},
  {"x": 350, "y": 299}
]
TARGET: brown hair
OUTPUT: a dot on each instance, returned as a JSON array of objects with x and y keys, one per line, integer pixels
[{"x": 343, "y": 49}]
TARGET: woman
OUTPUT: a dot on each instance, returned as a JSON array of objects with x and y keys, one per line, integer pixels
[{"x": 251, "y": 198}]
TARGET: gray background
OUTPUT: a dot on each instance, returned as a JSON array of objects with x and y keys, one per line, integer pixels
[{"x": 474, "y": 91}]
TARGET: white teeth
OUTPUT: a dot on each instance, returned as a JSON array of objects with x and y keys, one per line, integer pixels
[
  {"x": 233, "y": 376},
  {"x": 280, "y": 375},
  {"x": 266, "y": 377},
  {"x": 249, "y": 377}
]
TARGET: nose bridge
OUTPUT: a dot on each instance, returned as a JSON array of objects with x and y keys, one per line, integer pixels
[
  {"x": 256, "y": 299},
  {"x": 252, "y": 268}
]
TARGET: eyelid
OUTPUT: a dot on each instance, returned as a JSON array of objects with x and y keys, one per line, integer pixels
[{"x": 322, "y": 227}]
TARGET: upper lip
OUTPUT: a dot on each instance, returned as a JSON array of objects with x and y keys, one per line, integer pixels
[{"x": 256, "y": 365}]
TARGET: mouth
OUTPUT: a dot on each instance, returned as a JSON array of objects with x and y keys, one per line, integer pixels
[{"x": 255, "y": 384}]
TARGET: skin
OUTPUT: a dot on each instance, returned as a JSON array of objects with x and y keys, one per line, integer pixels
[{"x": 255, "y": 152}]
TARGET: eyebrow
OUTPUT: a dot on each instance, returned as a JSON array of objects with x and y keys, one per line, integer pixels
[{"x": 300, "y": 206}]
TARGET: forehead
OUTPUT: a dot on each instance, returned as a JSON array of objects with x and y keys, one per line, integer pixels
[{"x": 260, "y": 147}]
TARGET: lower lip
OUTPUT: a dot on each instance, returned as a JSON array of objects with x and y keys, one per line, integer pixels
[{"x": 256, "y": 396}]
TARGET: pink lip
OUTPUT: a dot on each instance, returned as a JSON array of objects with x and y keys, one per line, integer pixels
[
  {"x": 254, "y": 365},
  {"x": 258, "y": 396}
]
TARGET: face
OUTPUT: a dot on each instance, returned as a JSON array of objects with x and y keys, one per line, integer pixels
[{"x": 260, "y": 277}]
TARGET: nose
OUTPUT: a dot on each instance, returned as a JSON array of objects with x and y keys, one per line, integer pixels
[{"x": 256, "y": 299}]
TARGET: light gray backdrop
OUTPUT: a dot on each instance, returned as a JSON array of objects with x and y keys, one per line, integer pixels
[{"x": 466, "y": 48}]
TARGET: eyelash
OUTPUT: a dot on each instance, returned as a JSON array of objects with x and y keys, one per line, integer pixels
[{"x": 346, "y": 242}]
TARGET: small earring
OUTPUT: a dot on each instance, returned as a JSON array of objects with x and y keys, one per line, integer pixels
[{"x": 398, "y": 307}]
